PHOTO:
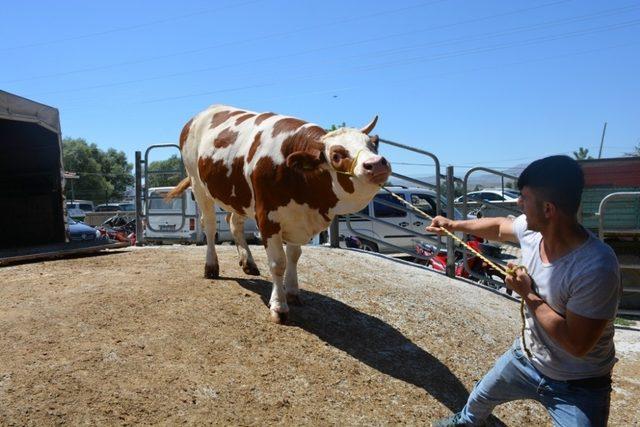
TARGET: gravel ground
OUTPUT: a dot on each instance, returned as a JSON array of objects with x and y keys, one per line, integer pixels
[{"x": 138, "y": 336}]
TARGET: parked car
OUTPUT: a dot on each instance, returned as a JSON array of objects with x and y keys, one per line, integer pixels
[
  {"x": 490, "y": 195},
  {"x": 396, "y": 220},
  {"x": 165, "y": 223},
  {"x": 77, "y": 209},
  {"x": 116, "y": 207},
  {"x": 85, "y": 205},
  {"x": 80, "y": 232}
]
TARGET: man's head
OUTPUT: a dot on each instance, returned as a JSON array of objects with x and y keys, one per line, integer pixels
[{"x": 551, "y": 188}]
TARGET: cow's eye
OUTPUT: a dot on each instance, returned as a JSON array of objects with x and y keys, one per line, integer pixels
[{"x": 336, "y": 157}]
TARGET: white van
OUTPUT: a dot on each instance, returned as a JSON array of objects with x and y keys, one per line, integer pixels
[
  {"x": 165, "y": 223},
  {"x": 422, "y": 198}
]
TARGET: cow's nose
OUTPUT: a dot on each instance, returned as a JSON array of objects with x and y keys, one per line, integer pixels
[
  {"x": 371, "y": 163},
  {"x": 377, "y": 169}
]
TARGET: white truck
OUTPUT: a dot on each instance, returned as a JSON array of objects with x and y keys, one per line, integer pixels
[{"x": 166, "y": 222}]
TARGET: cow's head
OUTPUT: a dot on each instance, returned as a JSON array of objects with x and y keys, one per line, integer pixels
[
  {"x": 353, "y": 152},
  {"x": 348, "y": 155}
]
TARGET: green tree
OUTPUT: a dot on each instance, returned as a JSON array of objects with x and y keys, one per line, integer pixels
[
  {"x": 103, "y": 176},
  {"x": 582, "y": 154},
  {"x": 117, "y": 170},
  {"x": 334, "y": 127},
  {"x": 173, "y": 163},
  {"x": 635, "y": 152}
]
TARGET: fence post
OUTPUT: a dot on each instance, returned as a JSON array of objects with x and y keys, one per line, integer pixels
[
  {"x": 334, "y": 233},
  {"x": 451, "y": 258},
  {"x": 138, "y": 190}
]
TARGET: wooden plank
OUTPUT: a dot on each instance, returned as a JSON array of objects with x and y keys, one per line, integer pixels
[{"x": 61, "y": 253}]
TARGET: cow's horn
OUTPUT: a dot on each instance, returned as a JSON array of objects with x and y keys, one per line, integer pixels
[{"x": 368, "y": 128}]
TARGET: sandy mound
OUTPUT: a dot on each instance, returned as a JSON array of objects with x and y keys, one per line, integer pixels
[{"x": 139, "y": 336}]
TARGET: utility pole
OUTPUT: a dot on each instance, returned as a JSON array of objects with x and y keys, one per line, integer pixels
[{"x": 604, "y": 129}]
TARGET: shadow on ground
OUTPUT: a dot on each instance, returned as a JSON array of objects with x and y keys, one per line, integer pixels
[{"x": 371, "y": 341}]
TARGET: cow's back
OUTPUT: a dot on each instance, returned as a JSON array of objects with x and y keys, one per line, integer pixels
[{"x": 226, "y": 149}]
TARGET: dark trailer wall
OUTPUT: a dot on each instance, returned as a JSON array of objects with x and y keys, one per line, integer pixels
[{"x": 31, "y": 187}]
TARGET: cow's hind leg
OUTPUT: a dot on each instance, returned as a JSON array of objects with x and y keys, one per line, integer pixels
[
  {"x": 277, "y": 264},
  {"x": 236, "y": 223},
  {"x": 208, "y": 214},
  {"x": 291, "y": 274}
]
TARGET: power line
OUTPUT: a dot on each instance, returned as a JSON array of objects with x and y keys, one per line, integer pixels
[
  {"x": 129, "y": 28},
  {"x": 475, "y": 37},
  {"x": 226, "y": 44},
  {"x": 374, "y": 67},
  {"x": 351, "y": 87}
]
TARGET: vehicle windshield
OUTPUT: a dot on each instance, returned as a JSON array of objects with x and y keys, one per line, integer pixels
[
  {"x": 157, "y": 202},
  {"x": 128, "y": 206}
]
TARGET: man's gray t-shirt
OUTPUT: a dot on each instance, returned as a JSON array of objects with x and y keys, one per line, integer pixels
[{"x": 585, "y": 281}]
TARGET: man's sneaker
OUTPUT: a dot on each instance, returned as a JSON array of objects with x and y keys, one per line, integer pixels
[{"x": 452, "y": 421}]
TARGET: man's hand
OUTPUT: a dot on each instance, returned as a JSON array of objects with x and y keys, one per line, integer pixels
[
  {"x": 521, "y": 282},
  {"x": 439, "y": 222}
]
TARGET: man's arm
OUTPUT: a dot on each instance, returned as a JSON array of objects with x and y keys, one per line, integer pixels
[
  {"x": 576, "y": 334},
  {"x": 498, "y": 228}
]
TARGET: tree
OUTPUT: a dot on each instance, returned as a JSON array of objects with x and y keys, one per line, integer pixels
[
  {"x": 334, "y": 127},
  {"x": 173, "y": 163},
  {"x": 635, "y": 152},
  {"x": 582, "y": 154},
  {"x": 117, "y": 170},
  {"x": 103, "y": 176}
]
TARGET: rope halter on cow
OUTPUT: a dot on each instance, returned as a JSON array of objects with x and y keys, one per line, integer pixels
[{"x": 503, "y": 271}]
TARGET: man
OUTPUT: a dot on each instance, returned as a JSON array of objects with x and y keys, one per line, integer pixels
[{"x": 571, "y": 289}]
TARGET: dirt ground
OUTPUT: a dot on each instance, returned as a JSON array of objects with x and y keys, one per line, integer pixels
[{"x": 138, "y": 336}]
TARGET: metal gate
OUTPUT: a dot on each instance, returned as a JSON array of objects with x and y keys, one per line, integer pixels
[
  {"x": 143, "y": 198},
  {"x": 450, "y": 195},
  {"x": 402, "y": 227}
]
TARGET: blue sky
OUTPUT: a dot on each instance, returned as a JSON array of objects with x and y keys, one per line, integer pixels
[{"x": 477, "y": 83}]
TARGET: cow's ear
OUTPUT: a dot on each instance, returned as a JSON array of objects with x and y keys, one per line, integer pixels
[
  {"x": 374, "y": 140},
  {"x": 305, "y": 160}
]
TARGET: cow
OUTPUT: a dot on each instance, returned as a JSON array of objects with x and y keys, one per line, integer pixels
[{"x": 292, "y": 176}]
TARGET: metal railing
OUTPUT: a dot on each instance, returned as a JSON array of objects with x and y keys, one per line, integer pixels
[
  {"x": 143, "y": 198},
  {"x": 422, "y": 236}
]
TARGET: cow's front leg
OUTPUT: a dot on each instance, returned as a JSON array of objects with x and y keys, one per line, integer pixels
[
  {"x": 291, "y": 274},
  {"x": 277, "y": 264}
]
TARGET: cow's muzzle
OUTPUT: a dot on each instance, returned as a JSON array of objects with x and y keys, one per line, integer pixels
[{"x": 377, "y": 170}]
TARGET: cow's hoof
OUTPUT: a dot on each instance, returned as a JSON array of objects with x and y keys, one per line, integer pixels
[
  {"x": 294, "y": 299},
  {"x": 251, "y": 269},
  {"x": 211, "y": 271},
  {"x": 278, "y": 318}
]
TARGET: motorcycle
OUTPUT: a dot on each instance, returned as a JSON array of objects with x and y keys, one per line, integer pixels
[
  {"x": 483, "y": 273},
  {"x": 122, "y": 229}
]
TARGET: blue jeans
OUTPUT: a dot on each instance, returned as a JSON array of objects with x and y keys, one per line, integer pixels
[{"x": 514, "y": 378}]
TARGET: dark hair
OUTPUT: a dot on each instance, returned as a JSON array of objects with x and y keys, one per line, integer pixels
[{"x": 557, "y": 179}]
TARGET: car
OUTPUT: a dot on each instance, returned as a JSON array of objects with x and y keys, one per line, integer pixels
[
  {"x": 491, "y": 195},
  {"x": 81, "y": 232},
  {"x": 116, "y": 207},
  {"x": 165, "y": 223},
  {"x": 77, "y": 209},
  {"x": 394, "y": 226},
  {"x": 85, "y": 205}
]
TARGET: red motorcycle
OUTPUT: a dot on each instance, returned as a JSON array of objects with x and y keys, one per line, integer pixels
[{"x": 483, "y": 273}]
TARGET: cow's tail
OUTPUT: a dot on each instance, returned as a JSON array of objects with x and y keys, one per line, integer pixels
[{"x": 178, "y": 189}]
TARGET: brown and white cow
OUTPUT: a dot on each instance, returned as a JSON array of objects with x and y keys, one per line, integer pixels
[{"x": 291, "y": 176}]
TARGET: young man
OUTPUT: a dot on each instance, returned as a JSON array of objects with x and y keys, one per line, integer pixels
[{"x": 571, "y": 289}]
